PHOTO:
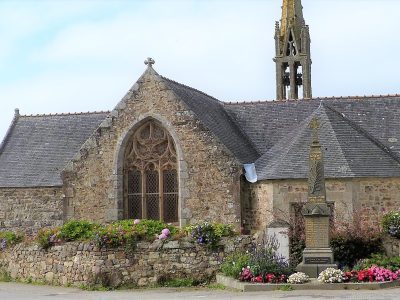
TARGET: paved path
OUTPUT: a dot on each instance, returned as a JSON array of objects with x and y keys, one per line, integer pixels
[{"x": 17, "y": 291}]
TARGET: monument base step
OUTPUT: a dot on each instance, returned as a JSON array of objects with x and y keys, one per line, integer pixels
[{"x": 313, "y": 270}]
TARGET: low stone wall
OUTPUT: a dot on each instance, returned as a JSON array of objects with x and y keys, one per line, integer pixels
[
  {"x": 392, "y": 246},
  {"x": 80, "y": 263}
]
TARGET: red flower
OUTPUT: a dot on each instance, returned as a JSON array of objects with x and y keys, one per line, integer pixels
[{"x": 257, "y": 279}]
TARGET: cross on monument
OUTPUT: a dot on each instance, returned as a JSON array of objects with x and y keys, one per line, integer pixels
[
  {"x": 315, "y": 125},
  {"x": 149, "y": 62}
]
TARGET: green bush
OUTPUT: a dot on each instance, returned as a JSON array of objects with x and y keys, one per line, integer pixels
[
  {"x": 391, "y": 263},
  {"x": 76, "y": 230},
  {"x": 391, "y": 224},
  {"x": 125, "y": 232},
  {"x": 348, "y": 248},
  {"x": 152, "y": 228},
  {"x": 222, "y": 230},
  {"x": 209, "y": 234},
  {"x": 234, "y": 263},
  {"x": 8, "y": 238},
  {"x": 47, "y": 237}
]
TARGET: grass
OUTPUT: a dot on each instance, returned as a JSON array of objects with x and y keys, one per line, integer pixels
[
  {"x": 180, "y": 282},
  {"x": 216, "y": 286},
  {"x": 5, "y": 276},
  {"x": 286, "y": 288}
]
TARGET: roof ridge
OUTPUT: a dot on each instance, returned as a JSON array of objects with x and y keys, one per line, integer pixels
[
  {"x": 189, "y": 87},
  {"x": 66, "y": 114},
  {"x": 9, "y": 130},
  {"x": 312, "y": 99},
  {"x": 289, "y": 140},
  {"x": 366, "y": 134}
]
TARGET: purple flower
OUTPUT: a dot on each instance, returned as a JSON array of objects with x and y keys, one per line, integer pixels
[
  {"x": 3, "y": 244},
  {"x": 166, "y": 231},
  {"x": 162, "y": 236}
]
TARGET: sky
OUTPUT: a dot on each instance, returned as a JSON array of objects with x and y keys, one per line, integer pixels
[{"x": 61, "y": 56}]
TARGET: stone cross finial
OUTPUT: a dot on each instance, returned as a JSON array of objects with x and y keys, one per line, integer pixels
[
  {"x": 149, "y": 62},
  {"x": 315, "y": 126}
]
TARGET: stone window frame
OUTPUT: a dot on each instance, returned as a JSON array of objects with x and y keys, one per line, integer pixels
[
  {"x": 150, "y": 156},
  {"x": 117, "y": 213}
]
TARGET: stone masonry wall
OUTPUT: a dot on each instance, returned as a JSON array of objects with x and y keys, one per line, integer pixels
[
  {"x": 209, "y": 175},
  {"x": 82, "y": 263},
  {"x": 366, "y": 198},
  {"x": 392, "y": 246},
  {"x": 30, "y": 209}
]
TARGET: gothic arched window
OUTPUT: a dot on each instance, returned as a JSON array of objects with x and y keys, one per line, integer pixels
[{"x": 150, "y": 175}]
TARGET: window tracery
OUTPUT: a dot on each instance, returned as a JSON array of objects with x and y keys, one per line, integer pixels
[{"x": 150, "y": 175}]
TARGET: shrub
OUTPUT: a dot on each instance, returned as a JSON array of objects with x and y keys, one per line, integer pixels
[
  {"x": 298, "y": 278},
  {"x": 128, "y": 232},
  {"x": 349, "y": 247},
  {"x": 391, "y": 263},
  {"x": 152, "y": 228},
  {"x": 76, "y": 230},
  {"x": 47, "y": 237},
  {"x": 209, "y": 233},
  {"x": 8, "y": 238},
  {"x": 234, "y": 263},
  {"x": 354, "y": 240},
  {"x": 264, "y": 259},
  {"x": 391, "y": 224},
  {"x": 222, "y": 230},
  {"x": 331, "y": 275}
]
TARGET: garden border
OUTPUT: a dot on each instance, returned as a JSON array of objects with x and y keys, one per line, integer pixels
[{"x": 313, "y": 285}]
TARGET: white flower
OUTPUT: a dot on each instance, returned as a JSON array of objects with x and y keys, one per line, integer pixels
[
  {"x": 298, "y": 278},
  {"x": 331, "y": 275}
]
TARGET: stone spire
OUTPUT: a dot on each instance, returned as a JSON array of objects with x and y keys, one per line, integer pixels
[{"x": 293, "y": 57}]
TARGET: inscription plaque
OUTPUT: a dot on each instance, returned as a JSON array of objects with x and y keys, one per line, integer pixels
[{"x": 317, "y": 260}]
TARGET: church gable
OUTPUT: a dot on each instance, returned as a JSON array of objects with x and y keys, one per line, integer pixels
[{"x": 208, "y": 170}]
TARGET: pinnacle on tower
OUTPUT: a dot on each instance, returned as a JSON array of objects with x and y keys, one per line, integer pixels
[{"x": 293, "y": 55}]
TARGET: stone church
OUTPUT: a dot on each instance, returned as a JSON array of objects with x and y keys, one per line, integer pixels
[{"x": 171, "y": 152}]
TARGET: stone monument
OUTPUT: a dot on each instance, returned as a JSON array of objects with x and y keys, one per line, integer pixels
[{"x": 317, "y": 256}]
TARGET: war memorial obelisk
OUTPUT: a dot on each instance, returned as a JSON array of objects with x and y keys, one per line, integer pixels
[{"x": 317, "y": 256}]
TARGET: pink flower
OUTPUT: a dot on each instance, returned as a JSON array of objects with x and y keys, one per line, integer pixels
[
  {"x": 162, "y": 236},
  {"x": 136, "y": 221},
  {"x": 166, "y": 231}
]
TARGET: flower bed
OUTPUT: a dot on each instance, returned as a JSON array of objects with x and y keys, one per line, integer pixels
[{"x": 129, "y": 232}]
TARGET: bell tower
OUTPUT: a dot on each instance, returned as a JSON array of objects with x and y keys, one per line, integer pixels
[{"x": 293, "y": 55}]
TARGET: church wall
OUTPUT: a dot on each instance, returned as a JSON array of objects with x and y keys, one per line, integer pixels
[
  {"x": 30, "y": 209},
  {"x": 366, "y": 198},
  {"x": 209, "y": 176},
  {"x": 257, "y": 206}
]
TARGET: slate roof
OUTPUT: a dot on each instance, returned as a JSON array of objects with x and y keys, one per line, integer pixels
[
  {"x": 349, "y": 151},
  {"x": 37, "y": 148},
  {"x": 212, "y": 114},
  {"x": 361, "y": 135}
]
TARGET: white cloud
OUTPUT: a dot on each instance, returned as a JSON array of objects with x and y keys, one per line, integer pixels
[{"x": 94, "y": 50}]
